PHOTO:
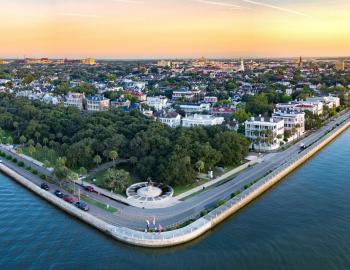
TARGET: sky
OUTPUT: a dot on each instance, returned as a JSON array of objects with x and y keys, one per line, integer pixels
[{"x": 174, "y": 28}]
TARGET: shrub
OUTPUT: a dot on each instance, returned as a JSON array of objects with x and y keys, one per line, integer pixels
[
  {"x": 220, "y": 202},
  {"x": 21, "y": 163},
  {"x": 14, "y": 160},
  {"x": 43, "y": 176},
  {"x": 35, "y": 172},
  {"x": 203, "y": 213},
  {"x": 8, "y": 157},
  {"x": 234, "y": 194},
  {"x": 28, "y": 168}
]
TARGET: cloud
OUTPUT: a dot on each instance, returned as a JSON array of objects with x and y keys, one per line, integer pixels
[
  {"x": 221, "y": 4},
  {"x": 72, "y": 14},
  {"x": 291, "y": 11}
]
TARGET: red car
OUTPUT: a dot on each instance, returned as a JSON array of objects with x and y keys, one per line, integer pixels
[
  {"x": 89, "y": 189},
  {"x": 68, "y": 199}
]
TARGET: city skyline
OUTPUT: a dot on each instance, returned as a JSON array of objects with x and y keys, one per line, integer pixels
[{"x": 132, "y": 29}]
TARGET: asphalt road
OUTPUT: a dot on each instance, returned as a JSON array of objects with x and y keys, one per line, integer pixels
[{"x": 135, "y": 218}]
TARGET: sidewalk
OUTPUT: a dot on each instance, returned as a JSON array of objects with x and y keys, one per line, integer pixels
[{"x": 217, "y": 180}]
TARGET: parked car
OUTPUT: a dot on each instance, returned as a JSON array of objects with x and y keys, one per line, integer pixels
[
  {"x": 59, "y": 194},
  {"x": 68, "y": 198},
  {"x": 82, "y": 205},
  {"x": 45, "y": 186},
  {"x": 89, "y": 189}
]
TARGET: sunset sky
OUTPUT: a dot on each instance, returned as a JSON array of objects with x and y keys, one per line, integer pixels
[{"x": 174, "y": 28}]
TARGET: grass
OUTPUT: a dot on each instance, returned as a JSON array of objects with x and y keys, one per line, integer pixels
[
  {"x": 98, "y": 204},
  {"x": 183, "y": 188},
  {"x": 41, "y": 155}
]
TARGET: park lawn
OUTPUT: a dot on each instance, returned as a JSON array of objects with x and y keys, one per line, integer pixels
[
  {"x": 42, "y": 155},
  {"x": 183, "y": 188},
  {"x": 98, "y": 204}
]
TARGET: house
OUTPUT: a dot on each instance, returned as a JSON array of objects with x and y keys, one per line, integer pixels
[
  {"x": 201, "y": 120},
  {"x": 194, "y": 108},
  {"x": 294, "y": 122},
  {"x": 224, "y": 111},
  {"x": 74, "y": 100},
  {"x": 97, "y": 103},
  {"x": 172, "y": 119},
  {"x": 210, "y": 100},
  {"x": 121, "y": 102},
  {"x": 302, "y": 106},
  {"x": 186, "y": 94},
  {"x": 265, "y": 134},
  {"x": 329, "y": 101},
  {"x": 157, "y": 102}
]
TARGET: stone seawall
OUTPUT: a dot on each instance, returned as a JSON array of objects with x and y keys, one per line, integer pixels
[{"x": 195, "y": 229}]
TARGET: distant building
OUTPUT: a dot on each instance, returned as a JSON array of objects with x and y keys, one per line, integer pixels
[
  {"x": 224, "y": 111},
  {"x": 172, "y": 119},
  {"x": 195, "y": 108},
  {"x": 138, "y": 95},
  {"x": 157, "y": 102},
  {"x": 340, "y": 65},
  {"x": 201, "y": 120},
  {"x": 210, "y": 100},
  {"x": 74, "y": 100},
  {"x": 88, "y": 61},
  {"x": 293, "y": 122},
  {"x": 265, "y": 134},
  {"x": 164, "y": 63},
  {"x": 97, "y": 103}
]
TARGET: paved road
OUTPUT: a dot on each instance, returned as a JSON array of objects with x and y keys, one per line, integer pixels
[{"x": 133, "y": 217}]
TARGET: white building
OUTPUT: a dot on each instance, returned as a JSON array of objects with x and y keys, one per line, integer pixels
[
  {"x": 194, "y": 108},
  {"x": 186, "y": 94},
  {"x": 158, "y": 102},
  {"x": 74, "y": 100},
  {"x": 329, "y": 101},
  {"x": 301, "y": 106},
  {"x": 201, "y": 120},
  {"x": 293, "y": 122},
  {"x": 172, "y": 119},
  {"x": 97, "y": 103},
  {"x": 265, "y": 134},
  {"x": 164, "y": 63}
]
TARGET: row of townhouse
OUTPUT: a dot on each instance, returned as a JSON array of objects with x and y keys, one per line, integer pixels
[
  {"x": 173, "y": 119},
  {"x": 268, "y": 134},
  {"x": 94, "y": 103},
  {"x": 313, "y": 104}
]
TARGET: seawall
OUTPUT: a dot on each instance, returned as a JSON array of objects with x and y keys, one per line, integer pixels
[{"x": 200, "y": 226}]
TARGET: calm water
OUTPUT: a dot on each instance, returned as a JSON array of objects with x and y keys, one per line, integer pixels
[{"x": 302, "y": 223}]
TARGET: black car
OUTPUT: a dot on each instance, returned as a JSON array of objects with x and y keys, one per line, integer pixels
[
  {"x": 59, "y": 194},
  {"x": 44, "y": 186},
  {"x": 81, "y": 205}
]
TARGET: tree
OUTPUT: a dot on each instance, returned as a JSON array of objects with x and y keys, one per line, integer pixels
[
  {"x": 61, "y": 172},
  {"x": 97, "y": 160},
  {"x": 22, "y": 139},
  {"x": 9, "y": 140},
  {"x": 82, "y": 171},
  {"x": 47, "y": 163},
  {"x": 241, "y": 115},
  {"x": 200, "y": 166},
  {"x": 113, "y": 155},
  {"x": 37, "y": 136},
  {"x": 116, "y": 180},
  {"x": 31, "y": 142},
  {"x": 31, "y": 150}
]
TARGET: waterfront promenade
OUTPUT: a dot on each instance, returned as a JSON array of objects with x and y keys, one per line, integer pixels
[{"x": 315, "y": 142}]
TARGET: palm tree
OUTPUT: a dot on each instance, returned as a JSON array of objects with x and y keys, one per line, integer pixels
[
  {"x": 97, "y": 160},
  {"x": 22, "y": 139},
  {"x": 113, "y": 155},
  {"x": 200, "y": 165}
]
